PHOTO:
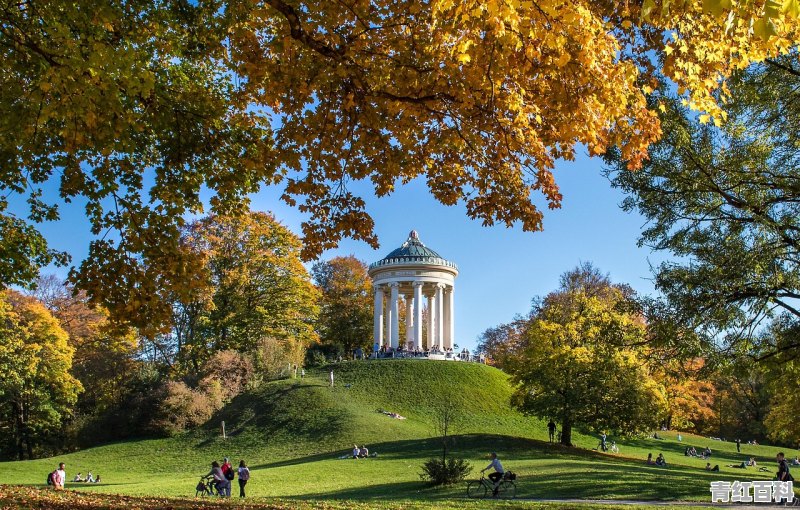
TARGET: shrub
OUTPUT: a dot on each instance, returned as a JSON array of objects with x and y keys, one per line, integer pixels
[
  {"x": 181, "y": 408},
  {"x": 275, "y": 357},
  {"x": 445, "y": 472},
  {"x": 225, "y": 375},
  {"x": 315, "y": 358}
]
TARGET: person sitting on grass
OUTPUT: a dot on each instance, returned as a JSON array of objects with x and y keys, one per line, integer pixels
[
  {"x": 498, "y": 472},
  {"x": 796, "y": 461},
  {"x": 752, "y": 462},
  {"x": 661, "y": 461},
  {"x": 650, "y": 461},
  {"x": 363, "y": 452},
  {"x": 709, "y": 468},
  {"x": 97, "y": 480},
  {"x": 707, "y": 453},
  {"x": 356, "y": 451},
  {"x": 78, "y": 478},
  {"x": 743, "y": 465},
  {"x": 89, "y": 478}
]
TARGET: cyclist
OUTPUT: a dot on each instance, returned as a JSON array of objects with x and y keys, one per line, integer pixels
[{"x": 498, "y": 472}]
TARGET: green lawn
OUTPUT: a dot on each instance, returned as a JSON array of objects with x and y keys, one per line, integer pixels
[{"x": 292, "y": 433}]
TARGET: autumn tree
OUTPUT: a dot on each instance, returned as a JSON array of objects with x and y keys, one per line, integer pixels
[
  {"x": 724, "y": 200},
  {"x": 500, "y": 342},
  {"x": 768, "y": 385},
  {"x": 37, "y": 391},
  {"x": 134, "y": 108},
  {"x": 581, "y": 359},
  {"x": 691, "y": 395},
  {"x": 742, "y": 400},
  {"x": 253, "y": 287},
  {"x": 104, "y": 357},
  {"x": 345, "y": 319}
]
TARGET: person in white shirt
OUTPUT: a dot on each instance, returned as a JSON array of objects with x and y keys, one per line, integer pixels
[
  {"x": 498, "y": 471},
  {"x": 89, "y": 478},
  {"x": 60, "y": 477},
  {"x": 244, "y": 476}
]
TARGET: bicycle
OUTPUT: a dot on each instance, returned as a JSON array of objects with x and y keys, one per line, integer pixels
[
  {"x": 483, "y": 487},
  {"x": 610, "y": 446},
  {"x": 206, "y": 487}
]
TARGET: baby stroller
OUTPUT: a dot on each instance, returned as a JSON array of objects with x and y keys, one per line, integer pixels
[{"x": 206, "y": 487}]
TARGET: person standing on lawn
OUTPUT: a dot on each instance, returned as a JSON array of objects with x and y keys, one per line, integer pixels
[{"x": 244, "y": 476}]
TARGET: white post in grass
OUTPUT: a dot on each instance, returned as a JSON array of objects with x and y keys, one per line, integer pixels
[{"x": 223, "y": 430}]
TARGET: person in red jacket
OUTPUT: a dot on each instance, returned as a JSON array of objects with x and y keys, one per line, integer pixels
[{"x": 227, "y": 468}]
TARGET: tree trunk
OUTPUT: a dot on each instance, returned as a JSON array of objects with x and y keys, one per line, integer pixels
[
  {"x": 566, "y": 433},
  {"x": 19, "y": 428}
]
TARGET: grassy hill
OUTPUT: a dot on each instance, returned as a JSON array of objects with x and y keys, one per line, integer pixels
[{"x": 293, "y": 432}]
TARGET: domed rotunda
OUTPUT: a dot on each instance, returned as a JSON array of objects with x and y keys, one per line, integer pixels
[{"x": 413, "y": 271}]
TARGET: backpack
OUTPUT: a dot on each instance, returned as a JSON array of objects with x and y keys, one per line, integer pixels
[
  {"x": 51, "y": 477},
  {"x": 229, "y": 474},
  {"x": 510, "y": 475}
]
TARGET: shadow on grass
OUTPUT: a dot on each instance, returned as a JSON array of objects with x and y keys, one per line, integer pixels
[
  {"x": 472, "y": 445},
  {"x": 571, "y": 473},
  {"x": 601, "y": 482},
  {"x": 297, "y": 406}
]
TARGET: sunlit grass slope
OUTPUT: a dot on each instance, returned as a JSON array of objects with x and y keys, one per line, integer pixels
[{"x": 293, "y": 432}]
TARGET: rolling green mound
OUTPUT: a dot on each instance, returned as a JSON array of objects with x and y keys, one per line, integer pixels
[
  {"x": 296, "y": 434},
  {"x": 308, "y": 416}
]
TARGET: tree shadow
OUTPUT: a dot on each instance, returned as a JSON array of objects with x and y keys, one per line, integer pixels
[
  {"x": 278, "y": 408},
  {"x": 572, "y": 473}
]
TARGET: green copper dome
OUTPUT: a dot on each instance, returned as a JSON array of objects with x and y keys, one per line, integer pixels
[{"x": 412, "y": 251}]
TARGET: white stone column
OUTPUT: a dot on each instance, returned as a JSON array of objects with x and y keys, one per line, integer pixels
[
  {"x": 377, "y": 317},
  {"x": 394, "y": 324},
  {"x": 439, "y": 316},
  {"x": 451, "y": 323},
  {"x": 409, "y": 320},
  {"x": 446, "y": 319},
  {"x": 431, "y": 323},
  {"x": 418, "y": 314}
]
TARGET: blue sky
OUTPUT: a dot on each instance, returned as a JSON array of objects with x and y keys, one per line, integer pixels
[{"x": 500, "y": 269}]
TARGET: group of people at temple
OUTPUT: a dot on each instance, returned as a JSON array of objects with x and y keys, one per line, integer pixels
[{"x": 402, "y": 351}]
